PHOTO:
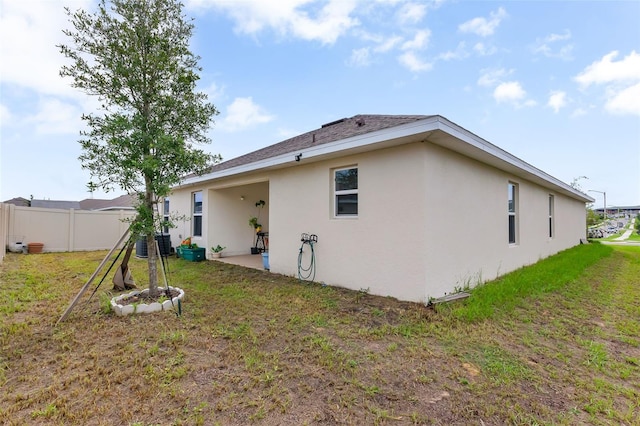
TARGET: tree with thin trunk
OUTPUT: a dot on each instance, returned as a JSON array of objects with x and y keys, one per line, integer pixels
[{"x": 134, "y": 56}]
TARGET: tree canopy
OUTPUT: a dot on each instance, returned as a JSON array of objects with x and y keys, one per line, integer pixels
[{"x": 134, "y": 56}]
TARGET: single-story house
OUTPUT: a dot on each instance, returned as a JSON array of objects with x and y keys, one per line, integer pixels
[{"x": 408, "y": 206}]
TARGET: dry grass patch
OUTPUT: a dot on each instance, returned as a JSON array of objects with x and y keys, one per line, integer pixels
[{"x": 257, "y": 348}]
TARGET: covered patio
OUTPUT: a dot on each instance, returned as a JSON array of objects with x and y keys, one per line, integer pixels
[{"x": 253, "y": 261}]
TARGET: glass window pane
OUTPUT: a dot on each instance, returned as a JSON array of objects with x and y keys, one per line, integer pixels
[
  {"x": 346, "y": 179},
  {"x": 512, "y": 229},
  {"x": 197, "y": 202},
  {"x": 512, "y": 197},
  {"x": 347, "y": 204},
  {"x": 197, "y": 226}
]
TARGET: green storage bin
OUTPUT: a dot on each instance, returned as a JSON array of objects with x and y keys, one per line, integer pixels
[{"x": 192, "y": 255}]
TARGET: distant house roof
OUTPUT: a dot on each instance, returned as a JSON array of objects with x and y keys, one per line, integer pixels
[
  {"x": 19, "y": 201},
  {"x": 55, "y": 204},
  {"x": 362, "y": 133},
  {"x": 124, "y": 202}
]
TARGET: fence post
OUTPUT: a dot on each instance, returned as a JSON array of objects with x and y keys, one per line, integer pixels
[
  {"x": 4, "y": 225},
  {"x": 72, "y": 229}
]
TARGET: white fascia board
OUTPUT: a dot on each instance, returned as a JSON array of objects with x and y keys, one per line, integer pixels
[
  {"x": 481, "y": 144},
  {"x": 355, "y": 142},
  {"x": 415, "y": 131}
]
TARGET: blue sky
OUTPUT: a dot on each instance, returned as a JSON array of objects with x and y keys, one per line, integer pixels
[{"x": 555, "y": 83}]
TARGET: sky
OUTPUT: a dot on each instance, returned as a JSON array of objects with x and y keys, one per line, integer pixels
[{"x": 555, "y": 83}]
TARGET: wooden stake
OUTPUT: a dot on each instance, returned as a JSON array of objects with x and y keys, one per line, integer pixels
[
  {"x": 164, "y": 276},
  {"x": 93, "y": 277}
]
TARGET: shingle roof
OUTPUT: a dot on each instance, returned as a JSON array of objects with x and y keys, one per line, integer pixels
[
  {"x": 122, "y": 202},
  {"x": 19, "y": 201},
  {"x": 55, "y": 204},
  {"x": 330, "y": 132}
]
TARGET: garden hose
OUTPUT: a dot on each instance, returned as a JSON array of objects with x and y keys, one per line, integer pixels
[{"x": 307, "y": 273}]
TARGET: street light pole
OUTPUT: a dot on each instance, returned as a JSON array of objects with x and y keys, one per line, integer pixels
[{"x": 604, "y": 193}]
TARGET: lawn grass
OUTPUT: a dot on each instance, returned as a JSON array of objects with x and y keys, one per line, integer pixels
[{"x": 554, "y": 343}]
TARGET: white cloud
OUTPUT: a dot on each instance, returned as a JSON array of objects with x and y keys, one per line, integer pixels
[
  {"x": 214, "y": 92},
  {"x": 578, "y": 112},
  {"x": 620, "y": 78},
  {"x": 625, "y": 101},
  {"x": 607, "y": 70},
  {"x": 56, "y": 117},
  {"x": 459, "y": 53},
  {"x": 491, "y": 77},
  {"x": 420, "y": 41},
  {"x": 360, "y": 57},
  {"x": 411, "y": 13},
  {"x": 288, "y": 17},
  {"x": 388, "y": 44},
  {"x": 5, "y": 116},
  {"x": 244, "y": 113},
  {"x": 483, "y": 26},
  {"x": 29, "y": 34},
  {"x": 510, "y": 91},
  {"x": 413, "y": 63},
  {"x": 484, "y": 50},
  {"x": 547, "y": 44},
  {"x": 557, "y": 100}
]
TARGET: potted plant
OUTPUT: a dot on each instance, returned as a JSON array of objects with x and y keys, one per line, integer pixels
[
  {"x": 255, "y": 224},
  {"x": 216, "y": 252}
]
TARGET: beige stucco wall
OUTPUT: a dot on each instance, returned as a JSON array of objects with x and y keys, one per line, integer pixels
[
  {"x": 227, "y": 206},
  {"x": 468, "y": 235},
  {"x": 66, "y": 230},
  {"x": 381, "y": 250},
  {"x": 430, "y": 220}
]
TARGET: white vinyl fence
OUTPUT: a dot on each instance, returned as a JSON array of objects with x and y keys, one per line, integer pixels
[
  {"x": 4, "y": 228},
  {"x": 62, "y": 230}
]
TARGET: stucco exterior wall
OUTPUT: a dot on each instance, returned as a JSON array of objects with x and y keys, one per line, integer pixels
[
  {"x": 429, "y": 220},
  {"x": 381, "y": 250},
  {"x": 226, "y": 208},
  {"x": 467, "y": 223},
  {"x": 229, "y": 219}
]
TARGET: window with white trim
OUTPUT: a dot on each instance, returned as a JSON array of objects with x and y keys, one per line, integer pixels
[
  {"x": 346, "y": 192},
  {"x": 551, "y": 208},
  {"x": 513, "y": 213},
  {"x": 197, "y": 214}
]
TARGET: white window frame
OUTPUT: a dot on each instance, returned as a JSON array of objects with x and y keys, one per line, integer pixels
[
  {"x": 512, "y": 213},
  {"x": 337, "y": 193},
  {"x": 196, "y": 214}
]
